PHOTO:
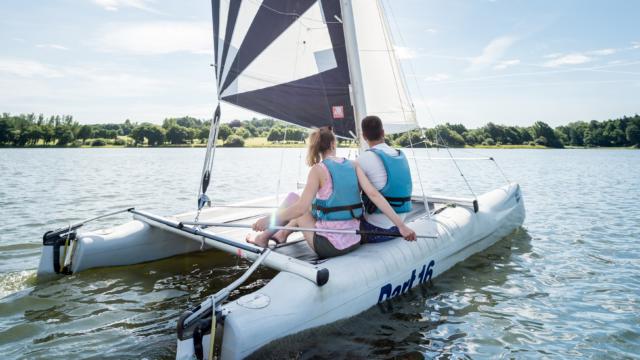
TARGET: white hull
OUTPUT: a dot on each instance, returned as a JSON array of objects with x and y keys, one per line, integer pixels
[{"x": 289, "y": 304}]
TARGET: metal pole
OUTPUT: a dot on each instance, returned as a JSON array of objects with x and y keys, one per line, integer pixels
[
  {"x": 355, "y": 73},
  {"x": 291, "y": 228}
]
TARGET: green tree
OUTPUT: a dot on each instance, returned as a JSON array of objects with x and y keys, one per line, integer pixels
[
  {"x": 242, "y": 132},
  {"x": 633, "y": 134},
  {"x": 276, "y": 134},
  {"x": 155, "y": 134},
  {"x": 5, "y": 130},
  {"x": 138, "y": 134},
  {"x": 410, "y": 138},
  {"x": 234, "y": 141},
  {"x": 177, "y": 134},
  {"x": 85, "y": 132},
  {"x": 224, "y": 131},
  {"x": 541, "y": 129},
  {"x": 65, "y": 137},
  {"x": 34, "y": 134}
]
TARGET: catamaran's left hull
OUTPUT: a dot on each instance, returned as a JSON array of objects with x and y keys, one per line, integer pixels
[
  {"x": 130, "y": 243},
  {"x": 289, "y": 304}
]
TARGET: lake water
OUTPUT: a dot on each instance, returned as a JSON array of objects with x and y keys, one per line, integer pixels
[{"x": 566, "y": 285}]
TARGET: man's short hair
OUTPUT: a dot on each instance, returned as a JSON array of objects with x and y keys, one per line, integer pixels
[{"x": 372, "y": 128}]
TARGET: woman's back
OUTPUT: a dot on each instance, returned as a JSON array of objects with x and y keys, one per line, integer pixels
[{"x": 327, "y": 189}]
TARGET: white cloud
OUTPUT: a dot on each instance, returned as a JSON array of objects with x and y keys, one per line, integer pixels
[
  {"x": 506, "y": 63},
  {"x": 438, "y": 77},
  {"x": 603, "y": 52},
  {"x": 28, "y": 68},
  {"x": 404, "y": 53},
  {"x": 52, "y": 46},
  {"x": 158, "y": 38},
  {"x": 431, "y": 30},
  {"x": 493, "y": 52},
  {"x": 553, "y": 56},
  {"x": 635, "y": 45},
  {"x": 115, "y": 5},
  {"x": 570, "y": 59},
  {"x": 559, "y": 59}
]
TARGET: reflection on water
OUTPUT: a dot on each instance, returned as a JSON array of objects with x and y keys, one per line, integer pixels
[{"x": 567, "y": 285}]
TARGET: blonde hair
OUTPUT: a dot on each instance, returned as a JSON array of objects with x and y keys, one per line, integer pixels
[{"x": 320, "y": 141}]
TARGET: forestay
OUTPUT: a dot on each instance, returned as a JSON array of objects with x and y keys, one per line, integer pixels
[{"x": 286, "y": 59}]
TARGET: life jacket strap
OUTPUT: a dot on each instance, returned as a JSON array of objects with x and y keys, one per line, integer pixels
[
  {"x": 328, "y": 210},
  {"x": 370, "y": 207}
]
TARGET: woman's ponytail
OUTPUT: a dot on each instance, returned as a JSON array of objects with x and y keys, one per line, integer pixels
[{"x": 320, "y": 141}]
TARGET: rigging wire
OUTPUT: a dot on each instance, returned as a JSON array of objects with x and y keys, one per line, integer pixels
[
  {"x": 393, "y": 59},
  {"x": 295, "y": 68},
  {"x": 281, "y": 167},
  {"x": 431, "y": 117}
]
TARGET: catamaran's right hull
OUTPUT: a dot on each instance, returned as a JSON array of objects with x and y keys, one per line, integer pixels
[{"x": 374, "y": 273}]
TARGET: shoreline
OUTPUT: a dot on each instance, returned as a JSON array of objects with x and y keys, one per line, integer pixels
[{"x": 302, "y": 145}]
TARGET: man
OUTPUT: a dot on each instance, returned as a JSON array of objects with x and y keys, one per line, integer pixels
[{"x": 388, "y": 170}]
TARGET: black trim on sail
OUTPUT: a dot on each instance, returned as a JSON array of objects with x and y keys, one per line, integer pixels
[
  {"x": 215, "y": 15},
  {"x": 268, "y": 24},
  {"x": 234, "y": 9}
]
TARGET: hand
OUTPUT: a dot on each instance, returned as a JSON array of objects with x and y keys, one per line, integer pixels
[
  {"x": 407, "y": 233},
  {"x": 262, "y": 224}
]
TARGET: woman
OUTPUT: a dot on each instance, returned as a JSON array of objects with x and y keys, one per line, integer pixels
[{"x": 333, "y": 195}]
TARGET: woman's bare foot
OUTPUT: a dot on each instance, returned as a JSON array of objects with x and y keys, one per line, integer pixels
[
  {"x": 280, "y": 237},
  {"x": 261, "y": 239}
]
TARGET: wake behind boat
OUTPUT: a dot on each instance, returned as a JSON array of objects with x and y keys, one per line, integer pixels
[{"x": 312, "y": 63}]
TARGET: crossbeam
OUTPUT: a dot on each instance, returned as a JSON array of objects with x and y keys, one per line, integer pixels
[
  {"x": 276, "y": 261},
  {"x": 292, "y": 228}
]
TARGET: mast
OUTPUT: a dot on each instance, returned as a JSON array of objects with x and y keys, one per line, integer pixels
[{"x": 355, "y": 73}]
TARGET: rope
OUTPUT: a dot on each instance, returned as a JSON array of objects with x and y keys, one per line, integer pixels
[
  {"x": 295, "y": 68},
  {"x": 500, "y": 170},
  {"x": 213, "y": 327},
  {"x": 431, "y": 117},
  {"x": 399, "y": 79},
  {"x": 281, "y": 167}
]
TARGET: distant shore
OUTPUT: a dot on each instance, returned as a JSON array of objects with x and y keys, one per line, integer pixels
[{"x": 261, "y": 142}]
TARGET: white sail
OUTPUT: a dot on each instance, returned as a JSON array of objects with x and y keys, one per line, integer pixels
[{"x": 384, "y": 87}]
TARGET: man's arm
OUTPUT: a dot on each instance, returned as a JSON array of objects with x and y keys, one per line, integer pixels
[{"x": 382, "y": 204}]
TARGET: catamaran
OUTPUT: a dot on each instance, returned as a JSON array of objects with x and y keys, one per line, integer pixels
[{"x": 311, "y": 63}]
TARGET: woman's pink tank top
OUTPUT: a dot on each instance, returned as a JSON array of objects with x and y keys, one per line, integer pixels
[{"x": 339, "y": 241}]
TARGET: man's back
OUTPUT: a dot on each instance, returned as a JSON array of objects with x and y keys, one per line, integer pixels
[{"x": 373, "y": 167}]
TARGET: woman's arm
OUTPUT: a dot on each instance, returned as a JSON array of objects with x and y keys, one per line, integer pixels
[
  {"x": 382, "y": 204},
  {"x": 298, "y": 208}
]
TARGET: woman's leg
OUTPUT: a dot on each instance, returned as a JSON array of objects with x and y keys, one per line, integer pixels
[
  {"x": 281, "y": 236},
  {"x": 307, "y": 221},
  {"x": 262, "y": 239}
]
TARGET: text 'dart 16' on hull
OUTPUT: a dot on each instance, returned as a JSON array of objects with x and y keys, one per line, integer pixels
[{"x": 312, "y": 63}]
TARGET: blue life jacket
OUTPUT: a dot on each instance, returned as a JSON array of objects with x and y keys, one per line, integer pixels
[
  {"x": 345, "y": 202},
  {"x": 398, "y": 188}
]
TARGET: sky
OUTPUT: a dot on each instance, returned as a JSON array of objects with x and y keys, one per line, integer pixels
[{"x": 511, "y": 62}]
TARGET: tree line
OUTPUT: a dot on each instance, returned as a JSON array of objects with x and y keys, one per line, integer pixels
[
  {"x": 63, "y": 130},
  {"x": 622, "y": 132}
]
